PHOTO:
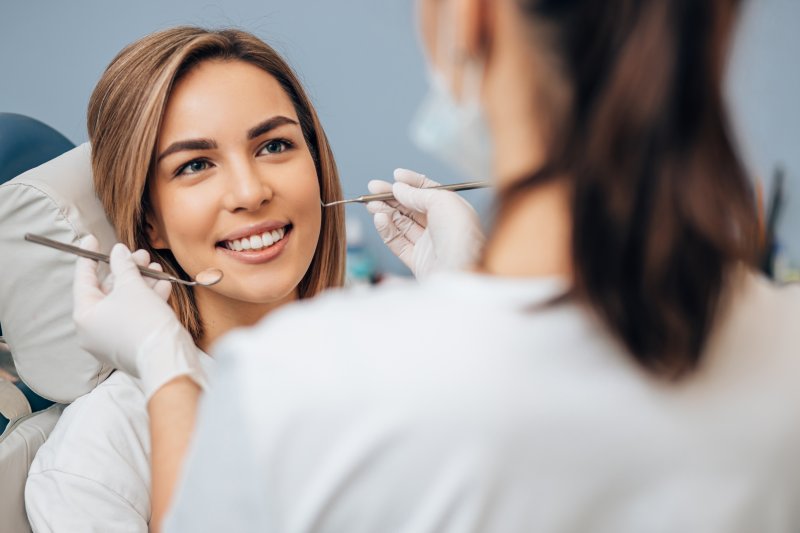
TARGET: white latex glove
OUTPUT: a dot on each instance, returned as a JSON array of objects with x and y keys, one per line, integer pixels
[
  {"x": 429, "y": 230},
  {"x": 126, "y": 322}
]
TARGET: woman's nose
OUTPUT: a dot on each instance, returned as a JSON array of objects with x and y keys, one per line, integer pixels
[{"x": 248, "y": 189}]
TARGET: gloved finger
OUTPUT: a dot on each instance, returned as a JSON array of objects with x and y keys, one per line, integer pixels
[
  {"x": 416, "y": 198},
  {"x": 90, "y": 242},
  {"x": 391, "y": 207},
  {"x": 107, "y": 285},
  {"x": 379, "y": 186},
  {"x": 394, "y": 238},
  {"x": 423, "y": 200},
  {"x": 409, "y": 227},
  {"x": 150, "y": 282},
  {"x": 408, "y": 177},
  {"x": 122, "y": 266},
  {"x": 85, "y": 287},
  {"x": 410, "y": 223},
  {"x": 141, "y": 257},
  {"x": 161, "y": 287},
  {"x": 380, "y": 207},
  {"x": 416, "y": 216},
  {"x": 382, "y": 187},
  {"x": 415, "y": 179}
]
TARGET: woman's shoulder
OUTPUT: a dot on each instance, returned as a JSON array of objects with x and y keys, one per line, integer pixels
[
  {"x": 102, "y": 436},
  {"x": 93, "y": 470},
  {"x": 117, "y": 402}
]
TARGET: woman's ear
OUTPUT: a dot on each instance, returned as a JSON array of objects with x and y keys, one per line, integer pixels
[{"x": 154, "y": 233}]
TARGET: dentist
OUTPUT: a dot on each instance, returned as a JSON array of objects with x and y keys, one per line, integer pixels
[{"x": 613, "y": 362}]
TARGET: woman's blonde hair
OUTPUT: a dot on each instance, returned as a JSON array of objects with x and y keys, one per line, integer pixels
[{"x": 124, "y": 118}]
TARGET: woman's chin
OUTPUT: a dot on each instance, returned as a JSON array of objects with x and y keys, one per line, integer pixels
[{"x": 258, "y": 295}]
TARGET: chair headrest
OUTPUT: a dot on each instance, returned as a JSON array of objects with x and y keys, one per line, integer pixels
[
  {"x": 25, "y": 142},
  {"x": 56, "y": 200}
]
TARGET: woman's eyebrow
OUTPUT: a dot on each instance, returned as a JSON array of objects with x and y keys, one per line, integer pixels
[
  {"x": 208, "y": 144},
  {"x": 191, "y": 144},
  {"x": 269, "y": 124}
]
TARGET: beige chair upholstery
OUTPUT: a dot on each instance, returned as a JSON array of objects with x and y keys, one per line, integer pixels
[
  {"x": 18, "y": 446},
  {"x": 56, "y": 200}
]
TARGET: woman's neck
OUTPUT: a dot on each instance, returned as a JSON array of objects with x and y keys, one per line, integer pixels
[{"x": 221, "y": 314}]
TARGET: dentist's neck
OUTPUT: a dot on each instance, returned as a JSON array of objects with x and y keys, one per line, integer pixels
[{"x": 532, "y": 236}]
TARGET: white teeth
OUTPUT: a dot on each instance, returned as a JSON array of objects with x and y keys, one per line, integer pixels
[{"x": 256, "y": 242}]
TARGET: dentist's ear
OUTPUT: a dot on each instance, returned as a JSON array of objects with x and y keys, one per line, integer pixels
[
  {"x": 473, "y": 23},
  {"x": 154, "y": 232}
]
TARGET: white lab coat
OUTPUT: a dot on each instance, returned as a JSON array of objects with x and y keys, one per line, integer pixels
[
  {"x": 454, "y": 407},
  {"x": 93, "y": 472}
]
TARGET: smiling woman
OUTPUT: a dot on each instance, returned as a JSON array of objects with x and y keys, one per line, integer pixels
[
  {"x": 234, "y": 187},
  {"x": 211, "y": 139},
  {"x": 206, "y": 153}
]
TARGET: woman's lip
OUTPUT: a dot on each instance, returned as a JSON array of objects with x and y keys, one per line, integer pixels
[
  {"x": 254, "y": 229},
  {"x": 257, "y": 257}
]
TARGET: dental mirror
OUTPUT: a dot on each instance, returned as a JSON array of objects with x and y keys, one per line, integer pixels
[
  {"x": 205, "y": 278},
  {"x": 208, "y": 277}
]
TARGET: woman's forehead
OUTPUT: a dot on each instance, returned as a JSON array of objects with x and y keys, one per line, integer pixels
[{"x": 224, "y": 96}]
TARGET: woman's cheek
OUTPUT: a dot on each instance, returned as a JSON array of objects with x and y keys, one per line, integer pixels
[{"x": 309, "y": 194}]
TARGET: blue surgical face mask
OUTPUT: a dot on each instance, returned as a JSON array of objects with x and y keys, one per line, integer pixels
[{"x": 455, "y": 132}]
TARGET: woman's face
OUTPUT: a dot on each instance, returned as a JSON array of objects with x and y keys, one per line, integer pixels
[{"x": 235, "y": 186}]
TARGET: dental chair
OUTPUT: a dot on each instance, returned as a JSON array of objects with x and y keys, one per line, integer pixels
[
  {"x": 56, "y": 200},
  {"x": 26, "y": 143}
]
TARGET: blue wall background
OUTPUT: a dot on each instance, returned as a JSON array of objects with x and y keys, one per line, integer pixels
[{"x": 362, "y": 66}]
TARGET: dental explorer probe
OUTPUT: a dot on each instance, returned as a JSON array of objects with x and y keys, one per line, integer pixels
[
  {"x": 468, "y": 186},
  {"x": 206, "y": 278}
]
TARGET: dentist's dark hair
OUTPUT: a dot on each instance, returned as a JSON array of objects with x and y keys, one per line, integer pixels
[{"x": 662, "y": 211}]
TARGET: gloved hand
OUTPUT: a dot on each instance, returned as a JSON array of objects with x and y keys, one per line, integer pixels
[
  {"x": 429, "y": 230},
  {"x": 125, "y": 321}
]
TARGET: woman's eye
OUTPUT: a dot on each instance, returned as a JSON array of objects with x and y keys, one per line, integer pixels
[
  {"x": 275, "y": 147},
  {"x": 193, "y": 167}
]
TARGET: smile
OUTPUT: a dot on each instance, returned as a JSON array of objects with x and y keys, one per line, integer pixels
[{"x": 256, "y": 242}]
